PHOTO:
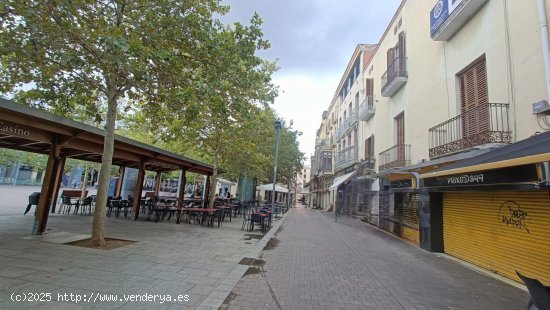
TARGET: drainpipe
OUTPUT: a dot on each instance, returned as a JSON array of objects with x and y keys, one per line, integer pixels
[{"x": 545, "y": 44}]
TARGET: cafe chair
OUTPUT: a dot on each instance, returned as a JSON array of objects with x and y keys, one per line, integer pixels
[
  {"x": 86, "y": 205},
  {"x": 246, "y": 219},
  {"x": 218, "y": 214},
  {"x": 66, "y": 204},
  {"x": 256, "y": 218}
]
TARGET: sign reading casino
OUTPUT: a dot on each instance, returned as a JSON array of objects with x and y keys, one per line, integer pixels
[{"x": 13, "y": 130}]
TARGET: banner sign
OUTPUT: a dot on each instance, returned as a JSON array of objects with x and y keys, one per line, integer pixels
[
  {"x": 438, "y": 15},
  {"x": 510, "y": 175}
]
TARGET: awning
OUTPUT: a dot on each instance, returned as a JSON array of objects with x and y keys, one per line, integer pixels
[
  {"x": 532, "y": 150},
  {"x": 29, "y": 129},
  {"x": 224, "y": 181},
  {"x": 269, "y": 187},
  {"x": 340, "y": 180}
]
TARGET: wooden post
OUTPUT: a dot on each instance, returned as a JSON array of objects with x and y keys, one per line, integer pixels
[
  {"x": 48, "y": 186},
  {"x": 120, "y": 181},
  {"x": 58, "y": 179},
  {"x": 207, "y": 189},
  {"x": 182, "y": 187},
  {"x": 157, "y": 186},
  {"x": 139, "y": 188}
]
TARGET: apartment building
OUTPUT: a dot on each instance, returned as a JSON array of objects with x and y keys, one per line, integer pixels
[
  {"x": 301, "y": 188},
  {"x": 443, "y": 101},
  {"x": 337, "y": 153}
]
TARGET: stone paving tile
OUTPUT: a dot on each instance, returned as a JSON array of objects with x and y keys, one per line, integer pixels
[
  {"x": 166, "y": 259},
  {"x": 316, "y": 263}
]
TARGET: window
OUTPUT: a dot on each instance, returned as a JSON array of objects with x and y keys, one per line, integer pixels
[
  {"x": 474, "y": 100},
  {"x": 327, "y": 161},
  {"x": 396, "y": 56},
  {"x": 400, "y": 136},
  {"x": 369, "y": 147}
]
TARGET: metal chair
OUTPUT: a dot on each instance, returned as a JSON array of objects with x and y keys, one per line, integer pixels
[
  {"x": 257, "y": 218},
  {"x": 67, "y": 204},
  {"x": 86, "y": 205}
]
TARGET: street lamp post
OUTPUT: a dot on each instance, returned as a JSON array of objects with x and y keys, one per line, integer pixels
[{"x": 278, "y": 126}]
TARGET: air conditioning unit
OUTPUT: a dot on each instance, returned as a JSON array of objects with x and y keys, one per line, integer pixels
[{"x": 541, "y": 107}]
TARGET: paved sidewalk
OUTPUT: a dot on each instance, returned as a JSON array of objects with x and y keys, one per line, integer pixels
[
  {"x": 168, "y": 259},
  {"x": 315, "y": 263}
]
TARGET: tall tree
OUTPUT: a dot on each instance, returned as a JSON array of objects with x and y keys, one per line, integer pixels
[
  {"x": 236, "y": 84},
  {"x": 118, "y": 51}
]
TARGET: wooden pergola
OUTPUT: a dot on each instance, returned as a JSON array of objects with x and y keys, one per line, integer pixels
[{"x": 33, "y": 130}]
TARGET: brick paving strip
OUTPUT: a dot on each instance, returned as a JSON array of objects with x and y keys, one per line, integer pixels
[{"x": 312, "y": 262}]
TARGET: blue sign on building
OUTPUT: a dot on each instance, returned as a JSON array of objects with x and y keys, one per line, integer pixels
[{"x": 438, "y": 15}]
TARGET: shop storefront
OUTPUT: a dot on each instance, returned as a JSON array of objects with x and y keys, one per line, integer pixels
[{"x": 495, "y": 209}]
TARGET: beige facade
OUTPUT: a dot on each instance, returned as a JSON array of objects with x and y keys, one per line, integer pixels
[{"x": 424, "y": 98}]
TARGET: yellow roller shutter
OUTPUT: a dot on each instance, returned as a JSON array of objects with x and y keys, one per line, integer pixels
[{"x": 500, "y": 231}]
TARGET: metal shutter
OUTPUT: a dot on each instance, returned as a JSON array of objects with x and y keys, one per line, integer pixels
[{"x": 500, "y": 231}]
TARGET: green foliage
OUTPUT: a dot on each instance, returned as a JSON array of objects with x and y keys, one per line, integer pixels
[
  {"x": 10, "y": 158},
  {"x": 96, "y": 53}
]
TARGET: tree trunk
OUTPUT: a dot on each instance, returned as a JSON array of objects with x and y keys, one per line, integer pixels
[
  {"x": 213, "y": 182},
  {"x": 98, "y": 226}
]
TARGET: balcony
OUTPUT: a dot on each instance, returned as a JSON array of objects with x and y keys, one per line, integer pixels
[
  {"x": 367, "y": 168},
  {"x": 314, "y": 167},
  {"x": 366, "y": 109},
  {"x": 488, "y": 123},
  {"x": 397, "y": 156},
  {"x": 325, "y": 169},
  {"x": 346, "y": 125},
  {"x": 322, "y": 144},
  {"x": 346, "y": 157},
  {"x": 450, "y": 21},
  {"x": 395, "y": 77}
]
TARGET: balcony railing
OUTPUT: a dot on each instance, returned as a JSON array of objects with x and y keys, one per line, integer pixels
[
  {"x": 367, "y": 168},
  {"x": 346, "y": 157},
  {"x": 346, "y": 125},
  {"x": 484, "y": 124},
  {"x": 397, "y": 156},
  {"x": 366, "y": 109},
  {"x": 325, "y": 169},
  {"x": 314, "y": 167},
  {"x": 395, "y": 77}
]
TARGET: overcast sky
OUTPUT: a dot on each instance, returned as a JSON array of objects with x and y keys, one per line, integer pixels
[{"x": 313, "y": 41}]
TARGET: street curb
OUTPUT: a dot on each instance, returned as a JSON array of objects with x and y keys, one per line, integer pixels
[
  {"x": 213, "y": 301},
  {"x": 265, "y": 239}
]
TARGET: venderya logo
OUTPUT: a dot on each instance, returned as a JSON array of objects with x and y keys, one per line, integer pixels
[{"x": 438, "y": 9}]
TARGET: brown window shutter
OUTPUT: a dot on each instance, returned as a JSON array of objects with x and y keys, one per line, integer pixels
[
  {"x": 401, "y": 45},
  {"x": 482, "y": 97},
  {"x": 473, "y": 96},
  {"x": 369, "y": 87}
]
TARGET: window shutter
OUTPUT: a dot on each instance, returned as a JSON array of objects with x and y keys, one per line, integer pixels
[{"x": 473, "y": 96}]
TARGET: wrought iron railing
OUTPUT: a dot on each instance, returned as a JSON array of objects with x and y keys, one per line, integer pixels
[
  {"x": 366, "y": 168},
  {"x": 396, "y": 69},
  {"x": 346, "y": 156},
  {"x": 366, "y": 109},
  {"x": 487, "y": 123},
  {"x": 347, "y": 123},
  {"x": 397, "y": 156}
]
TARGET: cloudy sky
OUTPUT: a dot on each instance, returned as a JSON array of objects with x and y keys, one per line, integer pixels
[{"x": 312, "y": 41}]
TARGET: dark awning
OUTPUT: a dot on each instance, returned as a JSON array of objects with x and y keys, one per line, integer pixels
[{"x": 533, "y": 150}]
